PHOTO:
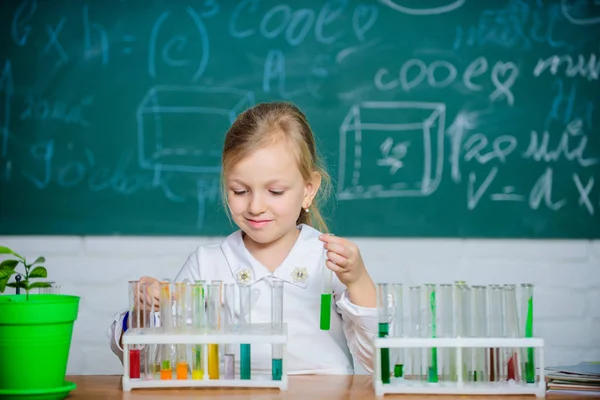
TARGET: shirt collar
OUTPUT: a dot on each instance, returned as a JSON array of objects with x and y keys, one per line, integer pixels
[{"x": 295, "y": 269}]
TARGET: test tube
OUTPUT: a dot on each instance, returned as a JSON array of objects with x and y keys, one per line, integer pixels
[
  {"x": 167, "y": 351},
  {"x": 230, "y": 321},
  {"x": 397, "y": 328},
  {"x": 416, "y": 331},
  {"x": 213, "y": 315},
  {"x": 245, "y": 322},
  {"x": 197, "y": 308},
  {"x": 495, "y": 331},
  {"x": 277, "y": 327},
  {"x": 326, "y": 291},
  {"x": 528, "y": 367},
  {"x": 463, "y": 320},
  {"x": 429, "y": 324},
  {"x": 479, "y": 330},
  {"x": 181, "y": 308},
  {"x": 134, "y": 321},
  {"x": 152, "y": 362},
  {"x": 445, "y": 329},
  {"x": 384, "y": 316},
  {"x": 510, "y": 329}
]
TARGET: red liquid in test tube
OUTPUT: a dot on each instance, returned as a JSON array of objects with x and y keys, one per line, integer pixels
[{"x": 134, "y": 363}]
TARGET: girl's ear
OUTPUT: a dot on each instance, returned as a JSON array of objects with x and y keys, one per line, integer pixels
[{"x": 311, "y": 189}]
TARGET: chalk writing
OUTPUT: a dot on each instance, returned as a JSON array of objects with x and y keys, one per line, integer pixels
[
  {"x": 20, "y": 28},
  {"x": 178, "y": 43},
  {"x": 539, "y": 150},
  {"x": 295, "y": 25},
  {"x": 564, "y": 108},
  {"x": 584, "y": 192},
  {"x": 583, "y": 68},
  {"x": 440, "y": 74},
  {"x": 518, "y": 24},
  {"x": 46, "y": 110},
  {"x": 574, "y": 11},
  {"x": 53, "y": 41},
  {"x": 398, "y": 5},
  {"x": 95, "y": 38}
]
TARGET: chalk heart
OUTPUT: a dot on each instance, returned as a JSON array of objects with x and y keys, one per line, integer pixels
[
  {"x": 363, "y": 19},
  {"x": 507, "y": 72}
]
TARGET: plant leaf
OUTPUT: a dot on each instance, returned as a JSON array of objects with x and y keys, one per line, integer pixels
[
  {"x": 40, "y": 285},
  {"x": 39, "y": 261},
  {"x": 20, "y": 284},
  {"x": 38, "y": 272},
  {"x": 9, "y": 264},
  {"x": 6, "y": 272},
  {"x": 6, "y": 250},
  {"x": 3, "y": 282}
]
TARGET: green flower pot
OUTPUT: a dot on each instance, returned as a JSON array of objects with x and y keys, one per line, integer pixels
[{"x": 35, "y": 338}]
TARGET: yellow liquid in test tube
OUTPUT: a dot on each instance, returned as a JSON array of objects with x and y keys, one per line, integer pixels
[{"x": 213, "y": 361}]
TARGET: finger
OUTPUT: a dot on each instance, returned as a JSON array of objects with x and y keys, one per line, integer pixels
[
  {"x": 337, "y": 248},
  {"x": 337, "y": 259},
  {"x": 330, "y": 238},
  {"x": 334, "y": 267}
]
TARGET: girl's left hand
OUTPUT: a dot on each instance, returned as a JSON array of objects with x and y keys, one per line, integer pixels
[{"x": 343, "y": 258}]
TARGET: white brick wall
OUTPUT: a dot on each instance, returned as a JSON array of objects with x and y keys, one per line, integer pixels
[{"x": 566, "y": 275}]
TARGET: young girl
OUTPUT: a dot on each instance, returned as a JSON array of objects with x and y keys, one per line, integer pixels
[{"x": 271, "y": 178}]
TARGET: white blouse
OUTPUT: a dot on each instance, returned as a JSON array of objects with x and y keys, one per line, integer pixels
[{"x": 310, "y": 350}]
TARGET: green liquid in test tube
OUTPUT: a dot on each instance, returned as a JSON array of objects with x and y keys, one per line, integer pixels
[
  {"x": 326, "y": 290},
  {"x": 397, "y": 328},
  {"x": 245, "y": 323},
  {"x": 527, "y": 307},
  {"x": 277, "y": 328},
  {"x": 198, "y": 323},
  {"x": 383, "y": 312},
  {"x": 430, "y": 325}
]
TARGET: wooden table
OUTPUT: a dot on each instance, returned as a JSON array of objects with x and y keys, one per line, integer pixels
[{"x": 317, "y": 387}]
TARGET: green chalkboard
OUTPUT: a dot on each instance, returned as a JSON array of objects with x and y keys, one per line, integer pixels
[{"x": 437, "y": 118}]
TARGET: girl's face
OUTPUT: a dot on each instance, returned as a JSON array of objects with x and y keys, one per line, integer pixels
[{"x": 266, "y": 193}]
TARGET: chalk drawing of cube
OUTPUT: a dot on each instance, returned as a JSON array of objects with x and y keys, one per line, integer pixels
[
  {"x": 181, "y": 128},
  {"x": 391, "y": 149}
]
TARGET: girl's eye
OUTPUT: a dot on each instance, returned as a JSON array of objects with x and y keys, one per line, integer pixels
[
  {"x": 239, "y": 192},
  {"x": 276, "y": 192}
]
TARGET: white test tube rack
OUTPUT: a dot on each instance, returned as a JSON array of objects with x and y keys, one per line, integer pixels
[
  {"x": 255, "y": 334},
  {"x": 409, "y": 386}
]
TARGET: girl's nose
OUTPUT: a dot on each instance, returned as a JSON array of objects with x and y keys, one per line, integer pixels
[{"x": 257, "y": 205}]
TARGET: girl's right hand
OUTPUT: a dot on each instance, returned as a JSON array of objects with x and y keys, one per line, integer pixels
[{"x": 148, "y": 294}]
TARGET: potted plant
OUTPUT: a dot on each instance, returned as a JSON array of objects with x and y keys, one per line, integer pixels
[{"x": 35, "y": 332}]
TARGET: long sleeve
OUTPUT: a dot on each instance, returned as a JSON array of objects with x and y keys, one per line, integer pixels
[
  {"x": 189, "y": 271},
  {"x": 114, "y": 334},
  {"x": 360, "y": 327}
]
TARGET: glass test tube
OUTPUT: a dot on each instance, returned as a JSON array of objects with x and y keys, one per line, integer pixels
[
  {"x": 462, "y": 325},
  {"x": 495, "y": 331},
  {"x": 479, "y": 330},
  {"x": 429, "y": 324},
  {"x": 384, "y": 317},
  {"x": 134, "y": 321},
  {"x": 245, "y": 322},
  {"x": 213, "y": 316},
  {"x": 152, "y": 358},
  {"x": 197, "y": 309},
  {"x": 510, "y": 329},
  {"x": 397, "y": 328},
  {"x": 180, "y": 299},
  {"x": 326, "y": 292},
  {"x": 445, "y": 329},
  {"x": 230, "y": 321},
  {"x": 277, "y": 327},
  {"x": 416, "y": 332},
  {"x": 528, "y": 367},
  {"x": 167, "y": 351}
]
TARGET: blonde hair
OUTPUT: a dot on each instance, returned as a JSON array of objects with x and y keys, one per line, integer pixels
[{"x": 266, "y": 124}]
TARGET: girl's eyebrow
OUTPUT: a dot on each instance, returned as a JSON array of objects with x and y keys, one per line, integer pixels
[{"x": 271, "y": 182}]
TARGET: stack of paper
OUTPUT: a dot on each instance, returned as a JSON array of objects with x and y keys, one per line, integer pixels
[{"x": 583, "y": 378}]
